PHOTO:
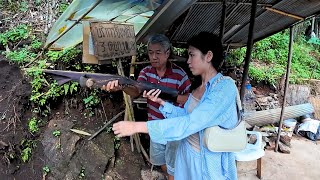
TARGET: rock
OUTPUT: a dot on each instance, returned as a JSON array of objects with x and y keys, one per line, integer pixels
[
  {"x": 262, "y": 100},
  {"x": 67, "y": 155},
  {"x": 107, "y": 177},
  {"x": 129, "y": 164},
  {"x": 270, "y": 99},
  {"x": 3, "y": 144},
  {"x": 260, "y": 96},
  {"x": 283, "y": 148},
  {"x": 152, "y": 175},
  {"x": 286, "y": 140}
]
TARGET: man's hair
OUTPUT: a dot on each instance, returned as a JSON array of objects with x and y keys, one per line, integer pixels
[
  {"x": 162, "y": 40},
  {"x": 205, "y": 42}
]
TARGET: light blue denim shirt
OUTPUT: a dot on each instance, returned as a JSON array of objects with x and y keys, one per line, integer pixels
[{"x": 216, "y": 107}]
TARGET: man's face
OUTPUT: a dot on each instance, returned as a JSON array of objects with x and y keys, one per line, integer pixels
[{"x": 158, "y": 56}]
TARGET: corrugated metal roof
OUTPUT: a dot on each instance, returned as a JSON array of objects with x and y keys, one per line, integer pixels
[
  {"x": 205, "y": 15},
  {"x": 135, "y": 12}
]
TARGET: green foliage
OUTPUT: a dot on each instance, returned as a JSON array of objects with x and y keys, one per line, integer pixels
[
  {"x": 27, "y": 146},
  {"x": 70, "y": 88},
  {"x": 14, "y": 35},
  {"x": 180, "y": 51},
  {"x": 37, "y": 2},
  {"x": 13, "y": 38},
  {"x": 116, "y": 141},
  {"x": 236, "y": 56},
  {"x": 142, "y": 53},
  {"x": 20, "y": 56},
  {"x": 33, "y": 125},
  {"x": 65, "y": 55},
  {"x": 63, "y": 7},
  {"x": 56, "y": 133},
  {"x": 36, "y": 44},
  {"x": 23, "y": 6},
  {"x": 270, "y": 56},
  {"x": 26, "y": 154},
  {"x": 46, "y": 170},
  {"x": 43, "y": 91},
  {"x": 91, "y": 101},
  {"x": 82, "y": 173}
]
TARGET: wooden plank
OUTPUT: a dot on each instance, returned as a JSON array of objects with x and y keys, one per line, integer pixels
[
  {"x": 88, "y": 54},
  {"x": 315, "y": 101}
]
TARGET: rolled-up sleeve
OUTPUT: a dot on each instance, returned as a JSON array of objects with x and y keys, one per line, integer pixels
[
  {"x": 218, "y": 106},
  {"x": 170, "y": 111}
]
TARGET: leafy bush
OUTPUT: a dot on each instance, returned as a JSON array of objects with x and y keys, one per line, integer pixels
[
  {"x": 19, "y": 33},
  {"x": 270, "y": 56}
]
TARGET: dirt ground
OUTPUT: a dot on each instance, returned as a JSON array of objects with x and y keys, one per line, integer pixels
[
  {"x": 69, "y": 155},
  {"x": 301, "y": 163}
]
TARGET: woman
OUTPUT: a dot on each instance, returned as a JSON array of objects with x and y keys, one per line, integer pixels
[{"x": 212, "y": 103}]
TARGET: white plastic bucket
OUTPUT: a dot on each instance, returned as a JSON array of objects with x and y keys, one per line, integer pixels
[{"x": 290, "y": 123}]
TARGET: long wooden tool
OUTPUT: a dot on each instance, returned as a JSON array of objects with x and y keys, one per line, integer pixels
[{"x": 97, "y": 80}]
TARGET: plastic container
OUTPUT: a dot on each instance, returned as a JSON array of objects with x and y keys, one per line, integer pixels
[
  {"x": 249, "y": 99},
  {"x": 290, "y": 123}
]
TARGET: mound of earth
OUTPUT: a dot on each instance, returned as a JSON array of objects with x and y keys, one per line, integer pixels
[
  {"x": 70, "y": 155},
  {"x": 14, "y": 94}
]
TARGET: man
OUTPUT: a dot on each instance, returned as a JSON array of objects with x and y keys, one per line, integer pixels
[{"x": 164, "y": 73}]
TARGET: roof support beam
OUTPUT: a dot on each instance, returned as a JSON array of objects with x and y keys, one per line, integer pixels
[
  {"x": 249, "y": 49},
  {"x": 166, "y": 14},
  {"x": 223, "y": 19},
  {"x": 284, "y": 13},
  {"x": 240, "y": 3},
  {"x": 285, "y": 87}
]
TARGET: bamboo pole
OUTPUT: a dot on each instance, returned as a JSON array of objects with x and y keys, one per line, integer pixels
[
  {"x": 130, "y": 114},
  {"x": 128, "y": 102}
]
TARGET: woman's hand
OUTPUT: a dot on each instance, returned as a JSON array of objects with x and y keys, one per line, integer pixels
[
  {"x": 128, "y": 128},
  {"x": 112, "y": 86},
  {"x": 153, "y": 96}
]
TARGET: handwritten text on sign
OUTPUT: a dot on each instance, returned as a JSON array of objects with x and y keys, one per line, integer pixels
[{"x": 113, "y": 40}]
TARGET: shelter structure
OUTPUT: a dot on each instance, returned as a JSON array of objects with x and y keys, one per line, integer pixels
[{"x": 238, "y": 22}]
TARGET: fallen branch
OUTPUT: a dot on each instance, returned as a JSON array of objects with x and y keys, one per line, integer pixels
[
  {"x": 106, "y": 125},
  {"x": 32, "y": 61}
]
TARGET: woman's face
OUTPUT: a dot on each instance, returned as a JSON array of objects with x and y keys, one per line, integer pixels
[{"x": 198, "y": 62}]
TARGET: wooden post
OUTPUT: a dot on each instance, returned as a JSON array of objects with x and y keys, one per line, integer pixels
[
  {"x": 312, "y": 24},
  {"x": 223, "y": 19},
  {"x": 132, "y": 64},
  {"x": 259, "y": 164},
  {"x": 286, "y": 86},
  {"x": 249, "y": 49}
]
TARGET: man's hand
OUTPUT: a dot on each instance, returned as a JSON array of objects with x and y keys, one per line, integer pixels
[
  {"x": 128, "y": 128},
  {"x": 112, "y": 86},
  {"x": 153, "y": 95}
]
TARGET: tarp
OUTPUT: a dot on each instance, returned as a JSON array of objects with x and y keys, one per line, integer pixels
[{"x": 136, "y": 12}]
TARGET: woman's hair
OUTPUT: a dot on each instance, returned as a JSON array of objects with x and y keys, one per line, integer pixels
[{"x": 205, "y": 42}]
